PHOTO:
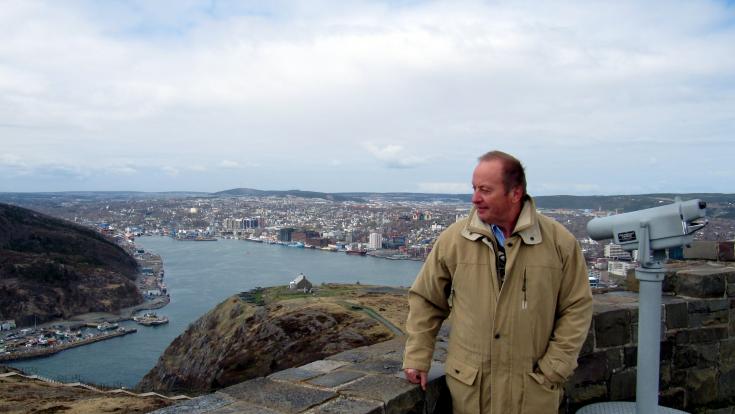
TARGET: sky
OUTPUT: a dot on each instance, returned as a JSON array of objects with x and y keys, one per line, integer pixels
[{"x": 595, "y": 98}]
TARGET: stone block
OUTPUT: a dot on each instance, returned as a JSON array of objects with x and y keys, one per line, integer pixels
[
  {"x": 398, "y": 395},
  {"x": 580, "y": 395},
  {"x": 294, "y": 375},
  {"x": 242, "y": 407},
  {"x": 731, "y": 290},
  {"x": 589, "y": 342},
  {"x": 727, "y": 354},
  {"x": 378, "y": 367},
  {"x": 697, "y": 355},
  {"x": 612, "y": 328},
  {"x": 678, "y": 377},
  {"x": 630, "y": 356},
  {"x": 591, "y": 369},
  {"x": 701, "y": 283},
  {"x": 324, "y": 365},
  {"x": 701, "y": 385},
  {"x": 336, "y": 378},
  {"x": 614, "y": 358},
  {"x": 673, "y": 398},
  {"x": 698, "y": 320},
  {"x": 199, "y": 405},
  {"x": 726, "y": 385},
  {"x": 280, "y": 396},
  {"x": 730, "y": 275},
  {"x": 726, "y": 410},
  {"x": 349, "y": 405},
  {"x": 389, "y": 350},
  {"x": 676, "y": 315},
  {"x": 710, "y": 305},
  {"x": 702, "y": 335},
  {"x": 622, "y": 385}
]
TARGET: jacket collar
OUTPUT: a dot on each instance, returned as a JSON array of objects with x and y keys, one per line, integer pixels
[{"x": 527, "y": 226}]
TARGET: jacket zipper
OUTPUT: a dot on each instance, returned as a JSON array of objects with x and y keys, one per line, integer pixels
[{"x": 524, "y": 304}]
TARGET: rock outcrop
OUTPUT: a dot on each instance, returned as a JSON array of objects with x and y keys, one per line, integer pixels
[
  {"x": 245, "y": 337},
  {"x": 53, "y": 269}
]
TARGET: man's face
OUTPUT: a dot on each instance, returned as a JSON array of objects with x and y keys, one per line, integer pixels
[{"x": 494, "y": 205}]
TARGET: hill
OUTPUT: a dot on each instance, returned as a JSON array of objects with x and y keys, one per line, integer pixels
[
  {"x": 51, "y": 268},
  {"x": 259, "y": 332},
  {"x": 249, "y": 192}
]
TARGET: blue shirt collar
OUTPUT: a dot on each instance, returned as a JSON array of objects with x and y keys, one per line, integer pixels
[{"x": 499, "y": 236}]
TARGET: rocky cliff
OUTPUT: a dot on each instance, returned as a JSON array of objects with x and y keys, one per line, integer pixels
[
  {"x": 256, "y": 333},
  {"x": 51, "y": 268}
]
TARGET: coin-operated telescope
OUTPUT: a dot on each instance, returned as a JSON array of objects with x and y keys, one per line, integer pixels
[
  {"x": 651, "y": 232},
  {"x": 657, "y": 228}
]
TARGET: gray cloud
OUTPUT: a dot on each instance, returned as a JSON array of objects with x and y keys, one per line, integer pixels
[{"x": 176, "y": 85}]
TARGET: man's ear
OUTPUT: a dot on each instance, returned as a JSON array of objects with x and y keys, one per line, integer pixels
[{"x": 516, "y": 194}]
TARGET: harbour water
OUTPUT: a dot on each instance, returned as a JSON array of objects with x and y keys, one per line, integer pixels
[{"x": 200, "y": 275}]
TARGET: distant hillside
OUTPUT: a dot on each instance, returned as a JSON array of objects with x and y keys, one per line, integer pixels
[
  {"x": 239, "y": 192},
  {"x": 50, "y": 269}
]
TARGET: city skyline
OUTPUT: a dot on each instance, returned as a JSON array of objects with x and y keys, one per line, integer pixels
[{"x": 357, "y": 96}]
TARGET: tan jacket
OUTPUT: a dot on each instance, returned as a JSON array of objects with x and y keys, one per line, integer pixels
[{"x": 519, "y": 342}]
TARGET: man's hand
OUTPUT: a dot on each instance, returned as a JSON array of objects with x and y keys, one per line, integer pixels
[{"x": 415, "y": 376}]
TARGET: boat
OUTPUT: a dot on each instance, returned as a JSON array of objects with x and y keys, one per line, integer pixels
[
  {"x": 106, "y": 326},
  {"x": 150, "y": 319},
  {"x": 356, "y": 252}
]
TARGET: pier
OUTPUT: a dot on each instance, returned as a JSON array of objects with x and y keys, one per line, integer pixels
[{"x": 36, "y": 352}]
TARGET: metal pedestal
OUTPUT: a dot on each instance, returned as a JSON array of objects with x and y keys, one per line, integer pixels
[
  {"x": 649, "y": 348},
  {"x": 620, "y": 407}
]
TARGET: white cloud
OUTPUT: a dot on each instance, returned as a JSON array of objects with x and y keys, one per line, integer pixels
[
  {"x": 170, "y": 171},
  {"x": 180, "y": 84},
  {"x": 229, "y": 164},
  {"x": 394, "y": 156}
]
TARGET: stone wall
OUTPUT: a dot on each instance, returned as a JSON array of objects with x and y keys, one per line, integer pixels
[{"x": 697, "y": 362}]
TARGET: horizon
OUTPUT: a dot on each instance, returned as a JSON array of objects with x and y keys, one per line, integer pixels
[
  {"x": 364, "y": 96},
  {"x": 349, "y": 192}
]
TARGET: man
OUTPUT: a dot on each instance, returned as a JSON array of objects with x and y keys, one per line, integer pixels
[{"x": 514, "y": 285}]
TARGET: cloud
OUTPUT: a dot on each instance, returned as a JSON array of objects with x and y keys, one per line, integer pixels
[
  {"x": 179, "y": 85},
  {"x": 394, "y": 156},
  {"x": 229, "y": 164},
  {"x": 445, "y": 188},
  {"x": 170, "y": 171}
]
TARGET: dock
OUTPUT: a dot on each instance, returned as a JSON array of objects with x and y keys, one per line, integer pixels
[{"x": 53, "y": 349}]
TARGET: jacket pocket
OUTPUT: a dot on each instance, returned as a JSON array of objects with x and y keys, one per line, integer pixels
[
  {"x": 540, "y": 395},
  {"x": 460, "y": 371}
]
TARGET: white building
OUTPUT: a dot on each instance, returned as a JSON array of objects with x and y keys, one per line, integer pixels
[
  {"x": 376, "y": 241},
  {"x": 300, "y": 283},
  {"x": 619, "y": 268},
  {"x": 615, "y": 251},
  {"x": 7, "y": 325}
]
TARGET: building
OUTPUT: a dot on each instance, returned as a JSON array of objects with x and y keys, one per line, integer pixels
[
  {"x": 285, "y": 235},
  {"x": 376, "y": 241},
  {"x": 300, "y": 283},
  {"x": 619, "y": 268},
  {"x": 7, "y": 325},
  {"x": 615, "y": 252}
]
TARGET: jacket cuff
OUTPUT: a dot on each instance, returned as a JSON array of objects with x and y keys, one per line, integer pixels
[
  {"x": 547, "y": 368},
  {"x": 416, "y": 364}
]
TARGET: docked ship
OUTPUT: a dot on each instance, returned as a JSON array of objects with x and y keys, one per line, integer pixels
[
  {"x": 356, "y": 252},
  {"x": 150, "y": 319},
  {"x": 107, "y": 326}
]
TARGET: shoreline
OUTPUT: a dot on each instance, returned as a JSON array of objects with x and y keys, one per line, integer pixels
[
  {"x": 150, "y": 277},
  {"x": 44, "y": 352}
]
